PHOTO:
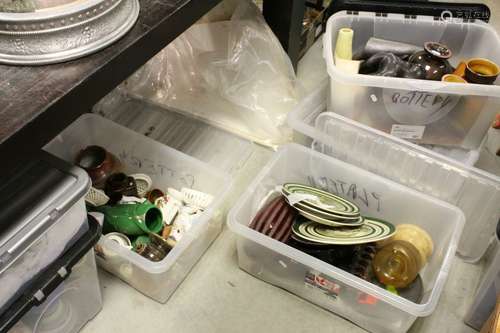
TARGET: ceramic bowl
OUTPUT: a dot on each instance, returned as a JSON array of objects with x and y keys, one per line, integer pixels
[
  {"x": 453, "y": 78},
  {"x": 481, "y": 71},
  {"x": 99, "y": 164}
]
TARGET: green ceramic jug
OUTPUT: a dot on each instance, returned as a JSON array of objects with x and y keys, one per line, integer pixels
[{"x": 132, "y": 219}]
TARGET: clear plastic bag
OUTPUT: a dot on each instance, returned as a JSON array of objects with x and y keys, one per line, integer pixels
[{"x": 232, "y": 74}]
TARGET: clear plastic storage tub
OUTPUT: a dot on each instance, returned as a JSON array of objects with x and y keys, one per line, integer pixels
[
  {"x": 488, "y": 290},
  {"x": 42, "y": 213},
  {"x": 167, "y": 168},
  {"x": 291, "y": 269},
  {"x": 426, "y": 112},
  {"x": 62, "y": 298},
  {"x": 76, "y": 301},
  {"x": 474, "y": 191}
]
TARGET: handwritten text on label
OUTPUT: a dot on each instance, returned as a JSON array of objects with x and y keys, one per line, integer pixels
[
  {"x": 422, "y": 99},
  {"x": 152, "y": 168},
  {"x": 347, "y": 190}
]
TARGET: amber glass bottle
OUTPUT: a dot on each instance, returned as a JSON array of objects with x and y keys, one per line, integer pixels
[{"x": 397, "y": 264}]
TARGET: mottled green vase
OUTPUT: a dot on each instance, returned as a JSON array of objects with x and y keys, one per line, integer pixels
[{"x": 132, "y": 219}]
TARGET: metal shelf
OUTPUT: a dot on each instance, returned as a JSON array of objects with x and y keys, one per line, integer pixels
[{"x": 36, "y": 103}]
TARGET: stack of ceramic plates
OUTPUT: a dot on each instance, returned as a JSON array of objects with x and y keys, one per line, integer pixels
[
  {"x": 332, "y": 219},
  {"x": 322, "y": 207}
]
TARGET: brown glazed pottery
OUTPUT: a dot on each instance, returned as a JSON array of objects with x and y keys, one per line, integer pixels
[
  {"x": 119, "y": 184},
  {"x": 481, "y": 71},
  {"x": 99, "y": 164},
  {"x": 460, "y": 70},
  {"x": 154, "y": 194},
  {"x": 433, "y": 60},
  {"x": 453, "y": 78},
  {"x": 275, "y": 219}
]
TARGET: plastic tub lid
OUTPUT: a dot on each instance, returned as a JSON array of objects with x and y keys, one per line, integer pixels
[{"x": 33, "y": 200}]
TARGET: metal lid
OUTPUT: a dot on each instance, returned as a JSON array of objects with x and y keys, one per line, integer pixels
[
  {"x": 59, "y": 30},
  {"x": 33, "y": 200}
]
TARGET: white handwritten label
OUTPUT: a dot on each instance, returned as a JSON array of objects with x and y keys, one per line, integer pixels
[
  {"x": 417, "y": 107},
  {"x": 408, "y": 131},
  {"x": 348, "y": 190},
  {"x": 153, "y": 167}
]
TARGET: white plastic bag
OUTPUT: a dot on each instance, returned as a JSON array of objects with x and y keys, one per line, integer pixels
[{"x": 232, "y": 74}]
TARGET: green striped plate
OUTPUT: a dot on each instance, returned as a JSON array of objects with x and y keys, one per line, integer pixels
[
  {"x": 329, "y": 222},
  {"x": 372, "y": 230},
  {"x": 323, "y": 201}
]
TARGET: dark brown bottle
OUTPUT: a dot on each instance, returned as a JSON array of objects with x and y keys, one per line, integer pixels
[{"x": 433, "y": 60}]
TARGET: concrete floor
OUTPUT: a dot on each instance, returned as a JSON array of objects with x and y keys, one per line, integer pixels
[{"x": 219, "y": 297}]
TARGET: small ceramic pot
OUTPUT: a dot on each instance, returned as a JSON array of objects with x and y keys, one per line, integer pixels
[
  {"x": 453, "y": 78},
  {"x": 99, "y": 164},
  {"x": 433, "y": 60},
  {"x": 275, "y": 219},
  {"x": 118, "y": 185},
  {"x": 481, "y": 71},
  {"x": 154, "y": 194}
]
